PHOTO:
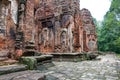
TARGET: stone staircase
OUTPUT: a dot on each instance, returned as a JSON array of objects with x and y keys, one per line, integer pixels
[
  {"x": 32, "y": 58},
  {"x": 6, "y": 69},
  {"x": 24, "y": 75},
  {"x": 8, "y": 65},
  {"x": 5, "y": 60},
  {"x": 12, "y": 70},
  {"x": 30, "y": 49},
  {"x": 3, "y": 55}
]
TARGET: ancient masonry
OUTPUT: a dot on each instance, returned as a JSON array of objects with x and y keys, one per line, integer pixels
[{"x": 52, "y": 25}]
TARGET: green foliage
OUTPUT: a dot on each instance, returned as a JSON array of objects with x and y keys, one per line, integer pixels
[
  {"x": 109, "y": 32},
  {"x": 29, "y": 61}
]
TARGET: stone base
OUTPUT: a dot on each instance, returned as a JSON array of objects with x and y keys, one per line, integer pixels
[
  {"x": 24, "y": 75},
  {"x": 12, "y": 68},
  {"x": 34, "y": 61},
  {"x": 8, "y": 62},
  {"x": 66, "y": 56},
  {"x": 3, "y": 55},
  {"x": 3, "y": 58}
]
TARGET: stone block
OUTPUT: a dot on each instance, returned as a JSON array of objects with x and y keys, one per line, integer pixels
[
  {"x": 34, "y": 61},
  {"x": 12, "y": 68},
  {"x": 24, "y": 75}
]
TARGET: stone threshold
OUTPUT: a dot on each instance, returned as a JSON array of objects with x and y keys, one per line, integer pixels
[
  {"x": 12, "y": 68},
  {"x": 66, "y": 56},
  {"x": 24, "y": 75},
  {"x": 33, "y": 61}
]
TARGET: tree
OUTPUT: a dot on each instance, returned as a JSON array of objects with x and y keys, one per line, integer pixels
[{"x": 109, "y": 33}]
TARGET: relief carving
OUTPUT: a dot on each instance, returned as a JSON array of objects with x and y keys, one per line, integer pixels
[
  {"x": 51, "y": 25},
  {"x": 68, "y": 22}
]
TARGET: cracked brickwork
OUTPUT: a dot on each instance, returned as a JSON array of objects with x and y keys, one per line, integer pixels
[{"x": 52, "y": 25}]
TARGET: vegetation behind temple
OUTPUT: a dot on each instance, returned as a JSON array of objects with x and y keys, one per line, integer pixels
[{"x": 109, "y": 30}]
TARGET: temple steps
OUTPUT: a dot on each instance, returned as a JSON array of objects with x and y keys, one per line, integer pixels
[
  {"x": 6, "y": 69},
  {"x": 24, "y": 75},
  {"x": 8, "y": 62}
]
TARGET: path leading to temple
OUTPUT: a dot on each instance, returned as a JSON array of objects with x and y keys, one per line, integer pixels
[{"x": 108, "y": 68}]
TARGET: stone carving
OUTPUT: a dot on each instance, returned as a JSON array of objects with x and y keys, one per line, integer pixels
[
  {"x": 14, "y": 10},
  {"x": 45, "y": 37},
  {"x": 67, "y": 32},
  {"x": 68, "y": 22},
  {"x": 29, "y": 25},
  {"x": 2, "y": 21},
  {"x": 57, "y": 28},
  {"x": 58, "y": 11},
  {"x": 63, "y": 40},
  {"x": 90, "y": 32},
  {"x": 91, "y": 45},
  {"x": 52, "y": 26},
  {"x": 21, "y": 15},
  {"x": 22, "y": 10},
  {"x": 7, "y": 27}
]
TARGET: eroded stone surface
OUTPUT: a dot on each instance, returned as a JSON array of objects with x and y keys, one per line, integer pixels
[
  {"x": 12, "y": 68},
  {"x": 104, "y": 69},
  {"x": 108, "y": 68},
  {"x": 89, "y": 33},
  {"x": 53, "y": 26},
  {"x": 24, "y": 75}
]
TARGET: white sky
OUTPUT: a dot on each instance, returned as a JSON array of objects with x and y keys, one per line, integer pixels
[{"x": 98, "y": 8}]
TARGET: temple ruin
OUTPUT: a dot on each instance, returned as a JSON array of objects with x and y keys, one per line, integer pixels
[{"x": 53, "y": 26}]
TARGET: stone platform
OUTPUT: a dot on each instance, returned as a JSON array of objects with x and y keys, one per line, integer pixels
[
  {"x": 12, "y": 68},
  {"x": 108, "y": 68},
  {"x": 8, "y": 62},
  {"x": 33, "y": 61},
  {"x": 66, "y": 56},
  {"x": 75, "y": 57},
  {"x": 24, "y": 75}
]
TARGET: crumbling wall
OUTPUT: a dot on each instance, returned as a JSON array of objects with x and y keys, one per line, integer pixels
[
  {"x": 59, "y": 26},
  {"x": 52, "y": 25},
  {"x": 90, "y": 36},
  {"x": 8, "y": 21},
  {"x": 7, "y": 25},
  {"x": 29, "y": 21},
  {"x": 14, "y": 10}
]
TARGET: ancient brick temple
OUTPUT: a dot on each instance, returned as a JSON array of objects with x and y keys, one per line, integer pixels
[{"x": 52, "y": 25}]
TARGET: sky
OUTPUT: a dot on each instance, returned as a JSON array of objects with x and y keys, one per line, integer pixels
[{"x": 98, "y": 8}]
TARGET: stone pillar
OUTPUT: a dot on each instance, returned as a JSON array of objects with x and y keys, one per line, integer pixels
[{"x": 29, "y": 21}]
